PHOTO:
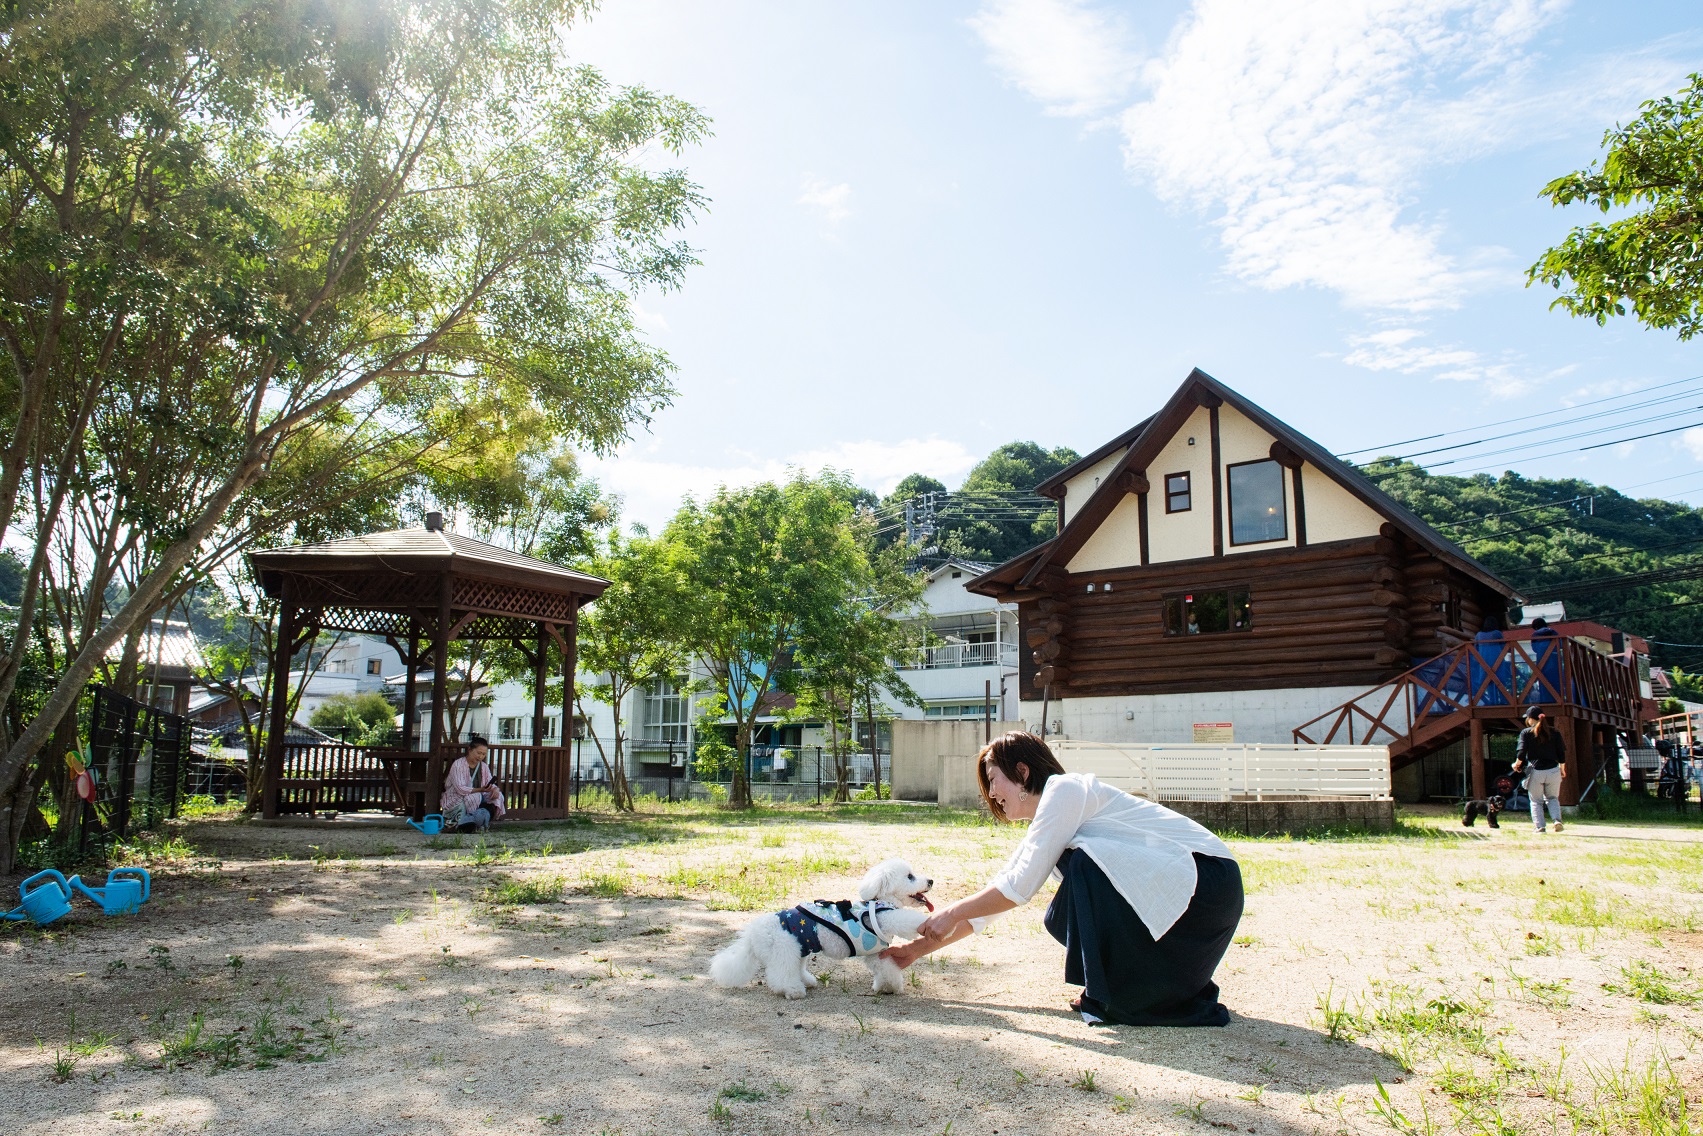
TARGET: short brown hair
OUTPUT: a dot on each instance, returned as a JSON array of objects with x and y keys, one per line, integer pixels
[{"x": 1007, "y": 751}]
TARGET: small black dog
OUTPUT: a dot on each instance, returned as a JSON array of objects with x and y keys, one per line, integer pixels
[{"x": 1491, "y": 806}]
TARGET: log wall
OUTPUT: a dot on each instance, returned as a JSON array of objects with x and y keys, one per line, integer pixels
[{"x": 1348, "y": 613}]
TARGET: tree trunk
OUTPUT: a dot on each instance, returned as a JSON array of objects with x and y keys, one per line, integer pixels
[
  {"x": 874, "y": 748},
  {"x": 842, "y": 787},
  {"x": 739, "y": 797}
]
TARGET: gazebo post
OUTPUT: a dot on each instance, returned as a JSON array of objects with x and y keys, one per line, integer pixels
[
  {"x": 570, "y": 663},
  {"x": 411, "y": 689},
  {"x": 541, "y": 663},
  {"x": 281, "y": 652},
  {"x": 440, "y": 688}
]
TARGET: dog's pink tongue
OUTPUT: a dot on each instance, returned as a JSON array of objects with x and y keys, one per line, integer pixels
[{"x": 925, "y": 902}]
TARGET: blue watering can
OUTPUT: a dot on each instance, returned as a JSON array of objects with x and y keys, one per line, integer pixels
[
  {"x": 46, "y": 897},
  {"x": 430, "y": 825},
  {"x": 125, "y": 892}
]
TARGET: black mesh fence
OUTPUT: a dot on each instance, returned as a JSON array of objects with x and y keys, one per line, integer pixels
[{"x": 138, "y": 757}]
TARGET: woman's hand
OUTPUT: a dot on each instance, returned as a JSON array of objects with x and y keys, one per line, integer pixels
[
  {"x": 940, "y": 924},
  {"x": 904, "y": 954}
]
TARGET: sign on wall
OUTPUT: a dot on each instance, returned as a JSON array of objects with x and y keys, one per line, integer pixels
[{"x": 1215, "y": 733}]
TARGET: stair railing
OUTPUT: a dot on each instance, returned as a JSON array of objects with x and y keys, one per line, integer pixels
[{"x": 1427, "y": 700}]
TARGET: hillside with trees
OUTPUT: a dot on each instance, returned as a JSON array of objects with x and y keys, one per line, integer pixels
[{"x": 1632, "y": 563}]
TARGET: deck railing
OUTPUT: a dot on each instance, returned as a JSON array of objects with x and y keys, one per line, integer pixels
[
  {"x": 1483, "y": 680},
  {"x": 535, "y": 780}
]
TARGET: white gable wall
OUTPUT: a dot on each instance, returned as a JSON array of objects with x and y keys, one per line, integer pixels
[
  {"x": 1079, "y": 488},
  {"x": 1181, "y": 536},
  {"x": 1332, "y": 512}
]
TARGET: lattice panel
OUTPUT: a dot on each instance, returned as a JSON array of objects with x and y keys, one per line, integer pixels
[
  {"x": 506, "y": 599},
  {"x": 368, "y": 621}
]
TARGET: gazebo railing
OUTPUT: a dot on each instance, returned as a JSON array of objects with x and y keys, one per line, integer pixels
[{"x": 349, "y": 778}]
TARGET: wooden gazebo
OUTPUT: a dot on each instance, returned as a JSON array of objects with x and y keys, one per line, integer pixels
[{"x": 420, "y": 590}]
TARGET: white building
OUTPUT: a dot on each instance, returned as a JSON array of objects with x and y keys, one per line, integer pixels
[{"x": 974, "y": 662}]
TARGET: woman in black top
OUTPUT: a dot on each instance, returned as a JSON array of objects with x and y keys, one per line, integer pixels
[{"x": 1540, "y": 750}]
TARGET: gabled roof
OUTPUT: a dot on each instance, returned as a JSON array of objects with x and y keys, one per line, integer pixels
[
  {"x": 413, "y": 551},
  {"x": 166, "y": 643},
  {"x": 1054, "y": 485},
  {"x": 1149, "y": 437}
]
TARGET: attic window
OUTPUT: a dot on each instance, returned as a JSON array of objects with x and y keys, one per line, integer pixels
[
  {"x": 1177, "y": 493},
  {"x": 1258, "y": 511},
  {"x": 957, "y": 575}
]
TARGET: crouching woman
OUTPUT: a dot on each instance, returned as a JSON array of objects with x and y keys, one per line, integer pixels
[
  {"x": 471, "y": 798},
  {"x": 1147, "y": 901}
]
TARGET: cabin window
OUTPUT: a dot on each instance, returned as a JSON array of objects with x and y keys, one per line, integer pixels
[
  {"x": 1177, "y": 493},
  {"x": 1258, "y": 511},
  {"x": 375, "y": 666},
  {"x": 1206, "y": 613}
]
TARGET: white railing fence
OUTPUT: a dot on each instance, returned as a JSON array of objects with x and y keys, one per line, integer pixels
[
  {"x": 957, "y": 655},
  {"x": 1214, "y": 772}
]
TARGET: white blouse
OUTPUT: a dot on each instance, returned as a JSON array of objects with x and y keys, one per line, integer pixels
[{"x": 1145, "y": 849}]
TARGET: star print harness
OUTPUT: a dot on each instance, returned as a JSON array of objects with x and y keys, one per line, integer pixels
[{"x": 854, "y": 923}]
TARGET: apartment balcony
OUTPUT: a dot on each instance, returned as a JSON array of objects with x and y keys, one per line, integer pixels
[{"x": 951, "y": 656}]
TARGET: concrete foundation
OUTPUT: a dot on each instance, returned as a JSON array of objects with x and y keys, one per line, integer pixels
[{"x": 1274, "y": 818}]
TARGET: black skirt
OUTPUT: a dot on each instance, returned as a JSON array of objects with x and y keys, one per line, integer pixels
[{"x": 1129, "y": 977}]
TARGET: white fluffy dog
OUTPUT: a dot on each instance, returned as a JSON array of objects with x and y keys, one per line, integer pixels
[{"x": 780, "y": 945}]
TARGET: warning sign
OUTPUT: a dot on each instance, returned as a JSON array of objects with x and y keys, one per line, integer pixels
[{"x": 1217, "y": 733}]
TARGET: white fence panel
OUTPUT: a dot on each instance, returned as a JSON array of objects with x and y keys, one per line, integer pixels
[{"x": 1214, "y": 772}]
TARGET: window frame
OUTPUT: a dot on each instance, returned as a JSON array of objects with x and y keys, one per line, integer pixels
[
  {"x": 1187, "y": 492},
  {"x": 1230, "y": 606},
  {"x": 1230, "y": 502}
]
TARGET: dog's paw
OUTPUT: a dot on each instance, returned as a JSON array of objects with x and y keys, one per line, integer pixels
[{"x": 793, "y": 994}]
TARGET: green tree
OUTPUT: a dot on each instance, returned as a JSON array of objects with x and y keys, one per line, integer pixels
[
  {"x": 257, "y": 242},
  {"x": 1652, "y": 257},
  {"x": 628, "y": 638},
  {"x": 367, "y": 718},
  {"x": 766, "y": 574},
  {"x": 851, "y": 675},
  {"x": 995, "y": 514}
]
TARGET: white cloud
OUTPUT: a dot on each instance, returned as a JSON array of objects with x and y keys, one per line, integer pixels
[
  {"x": 1395, "y": 350},
  {"x": 1692, "y": 442},
  {"x": 651, "y": 486},
  {"x": 834, "y": 201},
  {"x": 1067, "y": 54},
  {"x": 1302, "y": 126}
]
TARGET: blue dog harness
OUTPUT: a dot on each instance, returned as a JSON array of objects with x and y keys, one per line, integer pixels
[{"x": 854, "y": 923}]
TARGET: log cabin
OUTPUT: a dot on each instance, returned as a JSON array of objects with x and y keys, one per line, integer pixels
[{"x": 1215, "y": 566}]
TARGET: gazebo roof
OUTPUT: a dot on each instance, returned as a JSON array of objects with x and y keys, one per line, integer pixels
[
  {"x": 404, "y": 581},
  {"x": 410, "y": 552}
]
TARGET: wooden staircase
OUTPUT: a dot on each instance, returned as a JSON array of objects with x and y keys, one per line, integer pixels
[{"x": 1435, "y": 703}]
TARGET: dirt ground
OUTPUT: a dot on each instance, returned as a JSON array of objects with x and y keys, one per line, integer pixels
[{"x": 355, "y": 976}]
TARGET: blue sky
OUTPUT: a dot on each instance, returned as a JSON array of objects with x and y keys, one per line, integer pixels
[{"x": 939, "y": 227}]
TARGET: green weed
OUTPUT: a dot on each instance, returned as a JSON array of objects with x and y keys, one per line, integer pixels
[
  {"x": 1645, "y": 982},
  {"x": 1085, "y": 1082}
]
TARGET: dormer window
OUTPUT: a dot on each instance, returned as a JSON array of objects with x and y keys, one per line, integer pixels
[{"x": 1177, "y": 496}]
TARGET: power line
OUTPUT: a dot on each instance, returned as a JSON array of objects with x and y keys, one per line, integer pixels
[
  {"x": 1524, "y": 417},
  {"x": 1514, "y": 512},
  {"x": 1552, "y": 426}
]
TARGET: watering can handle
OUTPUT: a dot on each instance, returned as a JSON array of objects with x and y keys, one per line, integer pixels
[
  {"x": 132, "y": 873},
  {"x": 24, "y": 888}
]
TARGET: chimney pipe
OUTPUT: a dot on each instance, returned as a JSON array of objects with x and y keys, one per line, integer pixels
[{"x": 434, "y": 521}]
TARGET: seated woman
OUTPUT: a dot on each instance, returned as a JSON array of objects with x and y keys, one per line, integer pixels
[
  {"x": 1147, "y": 902},
  {"x": 471, "y": 799}
]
